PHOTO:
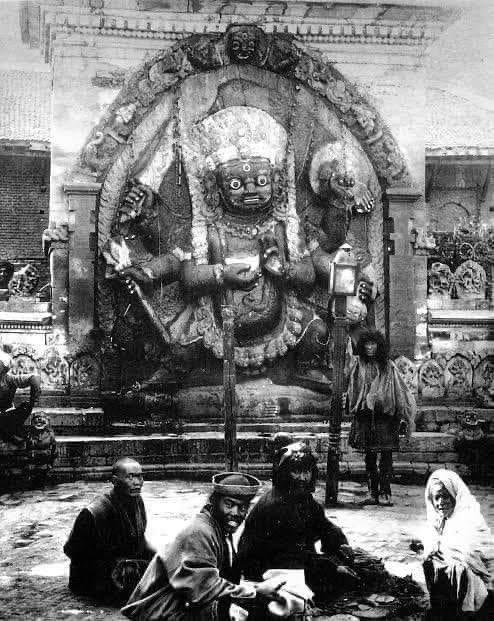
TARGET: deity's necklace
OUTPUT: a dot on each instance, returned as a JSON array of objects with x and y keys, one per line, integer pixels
[{"x": 244, "y": 230}]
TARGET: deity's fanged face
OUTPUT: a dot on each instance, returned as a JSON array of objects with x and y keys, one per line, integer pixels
[
  {"x": 242, "y": 46},
  {"x": 246, "y": 185}
]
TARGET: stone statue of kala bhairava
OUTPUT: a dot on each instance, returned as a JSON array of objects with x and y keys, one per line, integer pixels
[{"x": 242, "y": 198}]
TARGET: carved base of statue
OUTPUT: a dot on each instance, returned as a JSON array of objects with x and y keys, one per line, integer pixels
[{"x": 259, "y": 400}]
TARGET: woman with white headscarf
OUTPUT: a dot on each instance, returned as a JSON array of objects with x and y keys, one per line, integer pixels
[{"x": 456, "y": 548}]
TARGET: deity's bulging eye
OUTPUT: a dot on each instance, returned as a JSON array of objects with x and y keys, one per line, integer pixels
[
  {"x": 262, "y": 180},
  {"x": 235, "y": 184}
]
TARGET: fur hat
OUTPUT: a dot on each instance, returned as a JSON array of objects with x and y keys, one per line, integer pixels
[{"x": 293, "y": 457}]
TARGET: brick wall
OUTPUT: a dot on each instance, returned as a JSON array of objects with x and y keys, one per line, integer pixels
[{"x": 24, "y": 206}]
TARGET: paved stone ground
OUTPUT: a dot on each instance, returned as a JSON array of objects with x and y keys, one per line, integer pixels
[{"x": 34, "y": 526}]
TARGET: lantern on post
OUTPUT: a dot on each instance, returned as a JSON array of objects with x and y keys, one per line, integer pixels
[{"x": 342, "y": 285}]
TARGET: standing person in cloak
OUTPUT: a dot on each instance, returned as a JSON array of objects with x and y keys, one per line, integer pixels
[
  {"x": 382, "y": 408},
  {"x": 197, "y": 578},
  {"x": 12, "y": 418},
  {"x": 107, "y": 547},
  {"x": 282, "y": 529}
]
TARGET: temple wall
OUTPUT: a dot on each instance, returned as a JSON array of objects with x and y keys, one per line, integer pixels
[{"x": 92, "y": 53}]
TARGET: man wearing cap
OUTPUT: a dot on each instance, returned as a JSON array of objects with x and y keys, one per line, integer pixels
[
  {"x": 197, "y": 578},
  {"x": 12, "y": 418}
]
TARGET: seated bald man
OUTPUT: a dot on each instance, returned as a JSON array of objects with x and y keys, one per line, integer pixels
[
  {"x": 197, "y": 578},
  {"x": 107, "y": 547}
]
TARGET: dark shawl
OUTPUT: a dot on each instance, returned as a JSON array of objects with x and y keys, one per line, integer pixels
[{"x": 281, "y": 530}]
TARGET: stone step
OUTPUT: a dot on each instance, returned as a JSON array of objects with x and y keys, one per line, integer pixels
[
  {"x": 444, "y": 418},
  {"x": 80, "y": 454},
  {"x": 200, "y": 453},
  {"x": 73, "y": 420}
]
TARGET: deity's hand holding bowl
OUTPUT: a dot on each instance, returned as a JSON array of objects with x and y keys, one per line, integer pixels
[{"x": 240, "y": 276}]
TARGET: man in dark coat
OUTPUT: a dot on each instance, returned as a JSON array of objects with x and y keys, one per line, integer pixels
[
  {"x": 107, "y": 546},
  {"x": 197, "y": 578},
  {"x": 282, "y": 529}
]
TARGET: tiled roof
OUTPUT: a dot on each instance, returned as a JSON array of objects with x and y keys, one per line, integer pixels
[
  {"x": 25, "y": 106},
  {"x": 457, "y": 124}
]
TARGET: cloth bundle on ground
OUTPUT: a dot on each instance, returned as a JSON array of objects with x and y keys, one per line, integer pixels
[{"x": 457, "y": 549}]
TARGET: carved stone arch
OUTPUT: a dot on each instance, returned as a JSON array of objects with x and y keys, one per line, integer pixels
[
  {"x": 284, "y": 56},
  {"x": 144, "y": 115},
  {"x": 450, "y": 213}
]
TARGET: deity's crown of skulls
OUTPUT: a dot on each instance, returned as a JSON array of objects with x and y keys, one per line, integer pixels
[{"x": 240, "y": 132}]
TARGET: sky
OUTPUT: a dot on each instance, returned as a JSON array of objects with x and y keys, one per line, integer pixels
[{"x": 462, "y": 58}]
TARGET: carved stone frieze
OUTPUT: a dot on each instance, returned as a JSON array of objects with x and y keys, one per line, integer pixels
[{"x": 315, "y": 23}]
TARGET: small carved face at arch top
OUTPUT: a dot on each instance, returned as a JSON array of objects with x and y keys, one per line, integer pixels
[
  {"x": 245, "y": 185},
  {"x": 243, "y": 45}
]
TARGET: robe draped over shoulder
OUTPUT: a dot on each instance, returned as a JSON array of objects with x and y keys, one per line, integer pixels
[
  {"x": 106, "y": 531},
  {"x": 378, "y": 400},
  {"x": 191, "y": 581}
]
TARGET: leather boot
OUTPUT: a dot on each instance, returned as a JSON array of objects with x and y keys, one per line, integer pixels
[
  {"x": 372, "y": 497},
  {"x": 385, "y": 489}
]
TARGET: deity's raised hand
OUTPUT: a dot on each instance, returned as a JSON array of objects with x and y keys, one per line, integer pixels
[{"x": 139, "y": 198}]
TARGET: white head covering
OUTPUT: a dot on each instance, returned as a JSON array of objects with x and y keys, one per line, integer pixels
[
  {"x": 466, "y": 506},
  {"x": 464, "y": 538}
]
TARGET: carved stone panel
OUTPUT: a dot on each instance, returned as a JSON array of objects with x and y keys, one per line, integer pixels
[
  {"x": 470, "y": 281},
  {"x": 84, "y": 373},
  {"x": 458, "y": 376},
  {"x": 440, "y": 280},
  {"x": 431, "y": 380},
  {"x": 409, "y": 372},
  {"x": 483, "y": 381}
]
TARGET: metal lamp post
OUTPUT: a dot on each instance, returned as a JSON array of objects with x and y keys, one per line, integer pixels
[{"x": 342, "y": 284}]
